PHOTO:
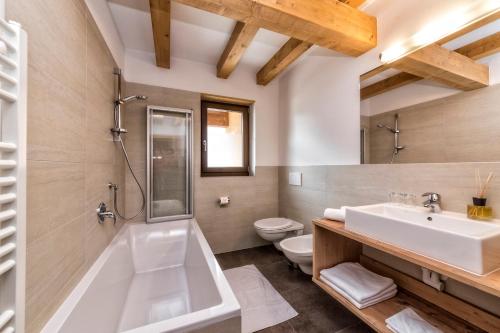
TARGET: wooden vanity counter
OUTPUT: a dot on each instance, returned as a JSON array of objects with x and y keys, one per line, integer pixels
[{"x": 333, "y": 244}]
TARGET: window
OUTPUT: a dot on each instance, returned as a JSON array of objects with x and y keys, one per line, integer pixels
[{"x": 224, "y": 139}]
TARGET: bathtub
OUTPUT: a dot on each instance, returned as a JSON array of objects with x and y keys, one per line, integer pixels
[{"x": 152, "y": 278}]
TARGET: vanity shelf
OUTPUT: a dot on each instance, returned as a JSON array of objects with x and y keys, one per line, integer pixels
[
  {"x": 333, "y": 244},
  {"x": 488, "y": 283}
]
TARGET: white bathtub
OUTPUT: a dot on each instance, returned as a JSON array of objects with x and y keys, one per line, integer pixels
[{"x": 151, "y": 278}]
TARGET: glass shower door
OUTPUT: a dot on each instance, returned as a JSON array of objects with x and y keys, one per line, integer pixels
[{"x": 169, "y": 164}]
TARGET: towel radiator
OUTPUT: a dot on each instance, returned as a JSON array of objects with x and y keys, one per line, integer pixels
[{"x": 13, "y": 97}]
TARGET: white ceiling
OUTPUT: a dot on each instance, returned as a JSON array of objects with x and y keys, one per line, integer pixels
[
  {"x": 195, "y": 34},
  {"x": 202, "y": 36}
]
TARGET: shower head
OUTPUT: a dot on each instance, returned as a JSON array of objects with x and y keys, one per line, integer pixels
[
  {"x": 132, "y": 98},
  {"x": 386, "y": 127}
]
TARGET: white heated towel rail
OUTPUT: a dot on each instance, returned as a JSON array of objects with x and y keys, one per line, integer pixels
[{"x": 13, "y": 95}]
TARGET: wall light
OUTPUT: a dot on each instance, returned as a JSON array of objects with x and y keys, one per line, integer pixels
[{"x": 459, "y": 18}]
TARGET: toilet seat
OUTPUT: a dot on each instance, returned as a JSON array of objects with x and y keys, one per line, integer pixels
[
  {"x": 273, "y": 224},
  {"x": 276, "y": 229}
]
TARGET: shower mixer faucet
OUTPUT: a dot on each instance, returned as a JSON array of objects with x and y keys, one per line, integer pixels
[{"x": 103, "y": 214}]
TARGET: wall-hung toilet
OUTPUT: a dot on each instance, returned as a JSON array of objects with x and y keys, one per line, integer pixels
[
  {"x": 299, "y": 250},
  {"x": 277, "y": 229}
]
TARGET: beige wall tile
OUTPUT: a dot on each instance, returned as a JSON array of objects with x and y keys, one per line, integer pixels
[
  {"x": 70, "y": 153},
  {"x": 56, "y": 195},
  {"x": 53, "y": 261}
]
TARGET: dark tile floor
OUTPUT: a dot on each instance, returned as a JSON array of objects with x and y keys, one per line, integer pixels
[{"x": 318, "y": 312}]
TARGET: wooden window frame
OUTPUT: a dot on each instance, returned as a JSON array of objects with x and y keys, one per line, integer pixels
[{"x": 225, "y": 171}]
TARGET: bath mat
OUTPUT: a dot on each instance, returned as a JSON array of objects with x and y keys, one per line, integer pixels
[{"x": 261, "y": 305}]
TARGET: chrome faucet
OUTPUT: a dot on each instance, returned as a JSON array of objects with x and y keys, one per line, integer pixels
[
  {"x": 433, "y": 202},
  {"x": 103, "y": 214}
]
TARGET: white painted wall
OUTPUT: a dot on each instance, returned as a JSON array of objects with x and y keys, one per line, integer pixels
[
  {"x": 189, "y": 75},
  {"x": 319, "y": 113},
  {"x": 319, "y": 98},
  {"x": 101, "y": 13}
]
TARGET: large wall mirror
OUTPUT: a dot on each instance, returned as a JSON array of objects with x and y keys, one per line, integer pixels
[{"x": 438, "y": 104}]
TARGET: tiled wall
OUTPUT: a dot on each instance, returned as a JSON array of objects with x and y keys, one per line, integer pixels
[
  {"x": 252, "y": 198},
  {"x": 460, "y": 128},
  {"x": 335, "y": 186},
  {"x": 70, "y": 153}
]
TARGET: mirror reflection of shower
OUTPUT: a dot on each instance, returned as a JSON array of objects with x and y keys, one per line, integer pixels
[
  {"x": 117, "y": 132},
  {"x": 396, "y": 131}
]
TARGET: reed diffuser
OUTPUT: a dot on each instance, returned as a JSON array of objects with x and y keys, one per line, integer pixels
[{"x": 479, "y": 210}]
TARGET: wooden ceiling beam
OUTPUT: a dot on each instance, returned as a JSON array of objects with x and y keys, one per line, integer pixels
[
  {"x": 476, "y": 50},
  {"x": 471, "y": 27},
  {"x": 353, "y": 3},
  {"x": 327, "y": 23},
  {"x": 160, "y": 17},
  {"x": 481, "y": 48},
  {"x": 239, "y": 41},
  {"x": 395, "y": 81},
  {"x": 288, "y": 53},
  {"x": 436, "y": 63}
]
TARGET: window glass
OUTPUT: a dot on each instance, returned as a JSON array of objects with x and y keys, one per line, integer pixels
[{"x": 225, "y": 138}]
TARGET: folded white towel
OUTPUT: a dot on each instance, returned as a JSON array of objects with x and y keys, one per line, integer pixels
[
  {"x": 385, "y": 296},
  {"x": 408, "y": 321},
  {"x": 382, "y": 293},
  {"x": 335, "y": 214},
  {"x": 358, "y": 282}
]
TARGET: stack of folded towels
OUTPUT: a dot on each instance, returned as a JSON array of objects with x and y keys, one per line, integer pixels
[
  {"x": 408, "y": 321},
  {"x": 360, "y": 286}
]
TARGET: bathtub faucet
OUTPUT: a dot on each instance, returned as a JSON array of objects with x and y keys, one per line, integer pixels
[{"x": 103, "y": 214}]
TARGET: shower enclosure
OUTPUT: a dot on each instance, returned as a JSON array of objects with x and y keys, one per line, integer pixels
[{"x": 169, "y": 164}]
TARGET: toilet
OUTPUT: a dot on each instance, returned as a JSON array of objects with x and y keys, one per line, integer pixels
[
  {"x": 277, "y": 228},
  {"x": 299, "y": 250}
]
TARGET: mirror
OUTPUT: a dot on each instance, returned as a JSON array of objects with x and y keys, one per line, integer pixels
[
  {"x": 463, "y": 127},
  {"x": 438, "y": 102}
]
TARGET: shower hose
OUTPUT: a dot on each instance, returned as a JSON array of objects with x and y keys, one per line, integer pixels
[{"x": 115, "y": 188}]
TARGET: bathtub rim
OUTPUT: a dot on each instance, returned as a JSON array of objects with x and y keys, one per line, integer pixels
[{"x": 227, "y": 309}]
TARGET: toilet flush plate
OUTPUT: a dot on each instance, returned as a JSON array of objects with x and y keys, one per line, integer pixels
[{"x": 295, "y": 178}]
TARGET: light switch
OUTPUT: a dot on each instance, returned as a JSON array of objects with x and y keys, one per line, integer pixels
[{"x": 295, "y": 178}]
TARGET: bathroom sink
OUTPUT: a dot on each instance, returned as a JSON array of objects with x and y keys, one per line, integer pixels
[{"x": 449, "y": 237}]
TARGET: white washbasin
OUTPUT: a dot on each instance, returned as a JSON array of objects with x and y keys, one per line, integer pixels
[{"x": 448, "y": 237}]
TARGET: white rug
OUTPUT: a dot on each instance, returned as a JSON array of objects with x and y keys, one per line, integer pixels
[{"x": 261, "y": 305}]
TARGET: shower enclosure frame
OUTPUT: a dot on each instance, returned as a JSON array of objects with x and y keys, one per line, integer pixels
[{"x": 189, "y": 114}]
